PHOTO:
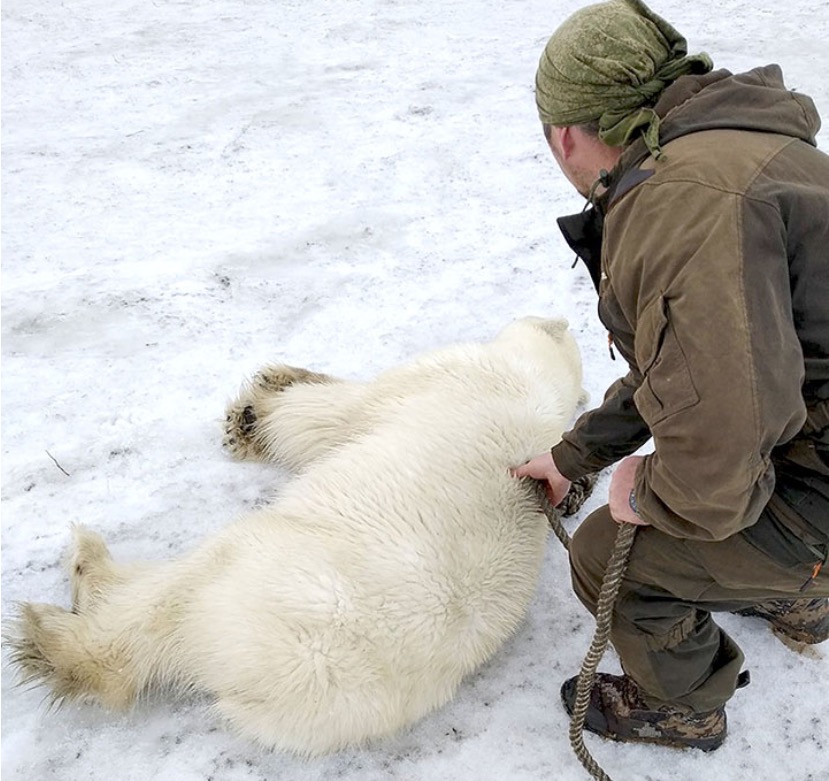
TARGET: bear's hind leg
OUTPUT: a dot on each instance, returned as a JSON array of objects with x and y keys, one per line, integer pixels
[
  {"x": 91, "y": 569},
  {"x": 60, "y": 649}
]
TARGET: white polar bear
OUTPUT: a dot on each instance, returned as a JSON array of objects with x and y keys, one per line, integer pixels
[{"x": 398, "y": 560}]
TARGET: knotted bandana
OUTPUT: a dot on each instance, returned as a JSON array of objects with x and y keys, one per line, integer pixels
[{"x": 609, "y": 63}]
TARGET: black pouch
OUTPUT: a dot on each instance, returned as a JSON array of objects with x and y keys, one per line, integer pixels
[{"x": 794, "y": 526}]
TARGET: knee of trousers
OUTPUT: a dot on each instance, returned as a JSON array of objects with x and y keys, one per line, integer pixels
[{"x": 590, "y": 549}]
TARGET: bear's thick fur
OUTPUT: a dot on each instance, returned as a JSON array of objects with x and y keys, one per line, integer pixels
[{"x": 398, "y": 560}]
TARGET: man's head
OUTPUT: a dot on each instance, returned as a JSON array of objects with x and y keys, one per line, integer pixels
[
  {"x": 580, "y": 154},
  {"x": 604, "y": 69}
]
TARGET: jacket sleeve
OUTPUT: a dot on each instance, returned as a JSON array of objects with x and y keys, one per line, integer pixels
[
  {"x": 721, "y": 363},
  {"x": 604, "y": 435}
]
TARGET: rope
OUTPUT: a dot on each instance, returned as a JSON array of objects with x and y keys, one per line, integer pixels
[
  {"x": 554, "y": 517},
  {"x": 604, "y": 615}
]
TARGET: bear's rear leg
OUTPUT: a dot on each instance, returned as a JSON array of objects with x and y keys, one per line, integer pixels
[
  {"x": 242, "y": 438},
  {"x": 57, "y": 648},
  {"x": 91, "y": 569}
]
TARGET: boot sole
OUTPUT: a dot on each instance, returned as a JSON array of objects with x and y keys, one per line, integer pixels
[{"x": 706, "y": 746}]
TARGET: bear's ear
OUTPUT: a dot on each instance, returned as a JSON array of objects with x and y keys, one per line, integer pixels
[{"x": 556, "y": 327}]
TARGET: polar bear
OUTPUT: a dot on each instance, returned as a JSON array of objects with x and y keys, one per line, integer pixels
[{"x": 401, "y": 556}]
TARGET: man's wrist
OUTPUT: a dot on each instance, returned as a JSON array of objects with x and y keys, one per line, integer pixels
[
  {"x": 632, "y": 502},
  {"x": 561, "y": 453}
]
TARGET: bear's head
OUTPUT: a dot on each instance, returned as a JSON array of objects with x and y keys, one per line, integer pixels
[{"x": 549, "y": 344}]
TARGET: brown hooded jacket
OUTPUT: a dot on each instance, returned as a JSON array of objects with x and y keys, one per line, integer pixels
[{"x": 712, "y": 266}]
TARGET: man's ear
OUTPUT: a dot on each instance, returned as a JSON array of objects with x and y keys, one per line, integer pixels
[{"x": 566, "y": 140}]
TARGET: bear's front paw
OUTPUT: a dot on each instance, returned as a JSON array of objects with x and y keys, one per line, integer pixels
[
  {"x": 273, "y": 379},
  {"x": 239, "y": 435},
  {"x": 242, "y": 434}
]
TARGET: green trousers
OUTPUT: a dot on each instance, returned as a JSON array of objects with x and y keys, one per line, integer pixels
[{"x": 662, "y": 627}]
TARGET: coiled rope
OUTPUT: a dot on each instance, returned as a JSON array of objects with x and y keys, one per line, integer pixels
[{"x": 611, "y": 582}]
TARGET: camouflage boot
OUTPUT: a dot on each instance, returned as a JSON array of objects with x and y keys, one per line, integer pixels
[
  {"x": 617, "y": 710},
  {"x": 802, "y": 620}
]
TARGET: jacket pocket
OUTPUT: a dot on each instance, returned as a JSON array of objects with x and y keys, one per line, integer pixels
[{"x": 667, "y": 387}]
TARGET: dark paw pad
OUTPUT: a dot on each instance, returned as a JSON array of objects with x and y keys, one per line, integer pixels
[{"x": 248, "y": 420}]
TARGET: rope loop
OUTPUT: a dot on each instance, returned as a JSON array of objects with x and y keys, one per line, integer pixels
[{"x": 611, "y": 582}]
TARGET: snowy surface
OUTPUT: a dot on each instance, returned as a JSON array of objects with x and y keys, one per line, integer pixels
[{"x": 192, "y": 189}]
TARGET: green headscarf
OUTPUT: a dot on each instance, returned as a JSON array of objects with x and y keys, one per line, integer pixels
[{"x": 610, "y": 62}]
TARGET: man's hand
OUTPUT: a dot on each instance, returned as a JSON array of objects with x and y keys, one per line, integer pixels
[
  {"x": 621, "y": 484},
  {"x": 544, "y": 468}
]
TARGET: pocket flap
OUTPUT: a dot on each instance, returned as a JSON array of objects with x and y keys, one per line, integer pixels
[{"x": 649, "y": 332}]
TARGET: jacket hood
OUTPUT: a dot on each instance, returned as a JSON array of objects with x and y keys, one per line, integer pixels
[{"x": 757, "y": 100}]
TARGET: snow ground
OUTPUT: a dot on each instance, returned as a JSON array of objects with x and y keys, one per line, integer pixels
[{"x": 192, "y": 189}]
